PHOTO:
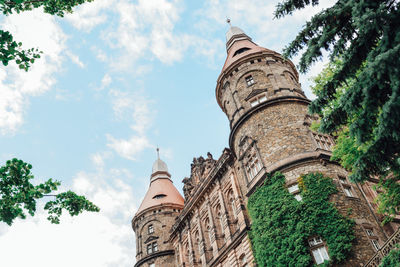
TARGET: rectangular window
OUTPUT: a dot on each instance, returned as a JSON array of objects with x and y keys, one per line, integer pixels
[
  {"x": 151, "y": 229},
  {"x": 294, "y": 190},
  {"x": 253, "y": 167},
  {"x": 320, "y": 255},
  {"x": 324, "y": 142},
  {"x": 298, "y": 197},
  {"x": 375, "y": 244},
  {"x": 249, "y": 80},
  {"x": 155, "y": 247},
  {"x": 257, "y": 100},
  {"x": 370, "y": 232},
  {"x": 315, "y": 241},
  {"x": 149, "y": 249},
  {"x": 347, "y": 191}
]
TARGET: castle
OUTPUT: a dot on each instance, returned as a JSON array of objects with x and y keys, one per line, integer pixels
[{"x": 259, "y": 92}]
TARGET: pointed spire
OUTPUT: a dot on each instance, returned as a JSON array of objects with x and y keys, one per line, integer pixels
[
  {"x": 158, "y": 152},
  {"x": 228, "y": 20}
]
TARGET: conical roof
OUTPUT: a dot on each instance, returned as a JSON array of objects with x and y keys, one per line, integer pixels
[
  {"x": 239, "y": 45},
  {"x": 161, "y": 189}
]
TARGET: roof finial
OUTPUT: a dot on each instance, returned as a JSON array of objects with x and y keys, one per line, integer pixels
[
  {"x": 228, "y": 20},
  {"x": 158, "y": 153}
]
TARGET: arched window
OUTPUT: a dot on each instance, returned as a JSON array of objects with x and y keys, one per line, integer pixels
[
  {"x": 241, "y": 50},
  {"x": 208, "y": 227},
  {"x": 218, "y": 211},
  {"x": 243, "y": 260},
  {"x": 231, "y": 199}
]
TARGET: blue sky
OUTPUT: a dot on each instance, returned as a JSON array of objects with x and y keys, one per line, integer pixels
[{"x": 116, "y": 80}]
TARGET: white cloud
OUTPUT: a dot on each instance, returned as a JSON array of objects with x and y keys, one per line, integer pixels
[
  {"x": 89, "y": 15},
  {"x": 103, "y": 239},
  {"x": 17, "y": 85},
  {"x": 128, "y": 148},
  {"x": 105, "y": 82},
  {"x": 135, "y": 108},
  {"x": 100, "y": 54},
  {"x": 75, "y": 59}
]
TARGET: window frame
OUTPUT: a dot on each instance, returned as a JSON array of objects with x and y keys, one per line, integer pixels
[
  {"x": 150, "y": 229},
  {"x": 296, "y": 192},
  {"x": 258, "y": 99},
  {"x": 347, "y": 188},
  {"x": 315, "y": 244},
  {"x": 249, "y": 80}
]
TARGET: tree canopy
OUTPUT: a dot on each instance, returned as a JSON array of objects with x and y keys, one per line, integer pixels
[
  {"x": 18, "y": 195},
  {"x": 366, "y": 36},
  {"x": 11, "y": 50}
]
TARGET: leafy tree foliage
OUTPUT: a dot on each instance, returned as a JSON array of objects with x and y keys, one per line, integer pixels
[
  {"x": 11, "y": 50},
  {"x": 281, "y": 225},
  {"x": 392, "y": 259},
  {"x": 348, "y": 149},
  {"x": 366, "y": 36},
  {"x": 18, "y": 195}
]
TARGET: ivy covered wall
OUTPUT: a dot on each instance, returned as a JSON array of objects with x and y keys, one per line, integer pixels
[{"x": 282, "y": 226}]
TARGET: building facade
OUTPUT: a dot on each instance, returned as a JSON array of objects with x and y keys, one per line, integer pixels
[{"x": 260, "y": 94}]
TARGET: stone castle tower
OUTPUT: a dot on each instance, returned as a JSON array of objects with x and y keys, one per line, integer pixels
[
  {"x": 260, "y": 93},
  {"x": 155, "y": 216}
]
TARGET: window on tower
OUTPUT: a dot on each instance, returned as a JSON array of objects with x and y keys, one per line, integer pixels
[
  {"x": 253, "y": 166},
  {"x": 258, "y": 99},
  {"x": 323, "y": 141},
  {"x": 346, "y": 186},
  {"x": 241, "y": 50},
  {"x": 318, "y": 250},
  {"x": 249, "y": 80},
  {"x": 150, "y": 229},
  {"x": 295, "y": 191},
  {"x": 152, "y": 247}
]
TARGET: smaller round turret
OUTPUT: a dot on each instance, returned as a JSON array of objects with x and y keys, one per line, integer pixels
[{"x": 155, "y": 217}]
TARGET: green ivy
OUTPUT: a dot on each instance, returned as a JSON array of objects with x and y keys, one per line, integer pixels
[
  {"x": 392, "y": 259},
  {"x": 281, "y": 225}
]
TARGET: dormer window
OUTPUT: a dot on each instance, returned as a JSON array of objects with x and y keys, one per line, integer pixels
[
  {"x": 241, "y": 50},
  {"x": 159, "y": 196},
  {"x": 249, "y": 80},
  {"x": 258, "y": 99}
]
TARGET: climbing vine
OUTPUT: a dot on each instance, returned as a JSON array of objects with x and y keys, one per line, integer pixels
[{"x": 282, "y": 226}]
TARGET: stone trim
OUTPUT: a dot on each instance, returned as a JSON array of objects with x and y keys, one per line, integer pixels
[
  {"x": 154, "y": 255},
  {"x": 227, "y": 249},
  {"x": 289, "y": 162}
]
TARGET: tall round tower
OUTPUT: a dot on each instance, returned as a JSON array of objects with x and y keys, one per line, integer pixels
[
  {"x": 154, "y": 219},
  {"x": 259, "y": 92}
]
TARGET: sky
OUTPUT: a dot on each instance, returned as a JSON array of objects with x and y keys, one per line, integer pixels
[{"x": 116, "y": 80}]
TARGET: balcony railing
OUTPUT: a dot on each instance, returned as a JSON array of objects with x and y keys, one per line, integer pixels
[{"x": 384, "y": 250}]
